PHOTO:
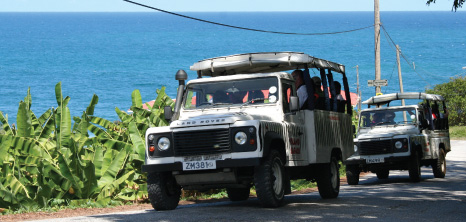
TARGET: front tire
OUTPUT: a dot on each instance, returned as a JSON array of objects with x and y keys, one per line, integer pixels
[
  {"x": 164, "y": 192},
  {"x": 269, "y": 180},
  {"x": 382, "y": 174},
  {"x": 415, "y": 167},
  {"x": 352, "y": 174},
  {"x": 440, "y": 166},
  {"x": 238, "y": 194},
  {"x": 328, "y": 182}
]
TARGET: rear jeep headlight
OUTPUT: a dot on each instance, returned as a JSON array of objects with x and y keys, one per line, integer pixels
[{"x": 398, "y": 144}]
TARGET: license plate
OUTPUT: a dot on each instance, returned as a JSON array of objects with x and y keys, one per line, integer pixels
[
  {"x": 199, "y": 165},
  {"x": 375, "y": 160}
]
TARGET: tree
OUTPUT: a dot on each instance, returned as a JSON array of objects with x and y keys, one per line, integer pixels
[
  {"x": 454, "y": 93},
  {"x": 456, "y": 4}
]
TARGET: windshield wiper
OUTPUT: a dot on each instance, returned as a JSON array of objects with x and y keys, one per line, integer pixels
[
  {"x": 252, "y": 100},
  {"x": 403, "y": 122},
  {"x": 380, "y": 123},
  {"x": 217, "y": 104}
]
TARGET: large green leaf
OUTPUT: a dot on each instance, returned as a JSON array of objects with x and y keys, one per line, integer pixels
[
  {"x": 112, "y": 165},
  {"x": 137, "y": 140},
  {"x": 16, "y": 186},
  {"x": 110, "y": 188},
  {"x": 136, "y": 98},
  {"x": 64, "y": 127},
  {"x": 90, "y": 108},
  {"x": 65, "y": 170},
  {"x": 124, "y": 117},
  {"x": 28, "y": 99},
  {"x": 27, "y": 146},
  {"x": 90, "y": 181},
  {"x": 98, "y": 160},
  {"x": 5, "y": 143},
  {"x": 104, "y": 123},
  {"x": 44, "y": 117},
  {"x": 98, "y": 132},
  {"x": 46, "y": 131},
  {"x": 58, "y": 94},
  {"x": 7, "y": 196},
  {"x": 5, "y": 125},
  {"x": 23, "y": 119}
]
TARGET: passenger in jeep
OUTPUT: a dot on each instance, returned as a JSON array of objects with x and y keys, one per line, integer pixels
[{"x": 301, "y": 88}]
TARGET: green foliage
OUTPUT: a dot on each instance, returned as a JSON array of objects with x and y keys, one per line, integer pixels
[
  {"x": 49, "y": 162},
  {"x": 454, "y": 93},
  {"x": 456, "y": 4},
  {"x": 458, "y": 132}
]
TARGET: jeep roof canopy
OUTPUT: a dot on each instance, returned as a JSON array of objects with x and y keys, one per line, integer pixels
[
  {"x": 399, "y": 96},
  {"x": 261, "y": 62}
]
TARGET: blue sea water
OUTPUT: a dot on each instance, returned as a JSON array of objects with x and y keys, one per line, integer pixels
[{"x": 112, "y": 54}]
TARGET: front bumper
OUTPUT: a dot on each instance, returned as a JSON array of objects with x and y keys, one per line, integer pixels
[{"x": 178, "y": 166}]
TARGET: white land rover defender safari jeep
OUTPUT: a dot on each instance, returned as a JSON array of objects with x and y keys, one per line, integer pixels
[
  {"x": 400, "y": 137},
  {"x": 242, "y": 127}
]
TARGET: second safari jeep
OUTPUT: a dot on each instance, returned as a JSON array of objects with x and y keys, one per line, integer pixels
[
  {"x": 241, "y": 128},
  {"x": 401, "y": 137}
]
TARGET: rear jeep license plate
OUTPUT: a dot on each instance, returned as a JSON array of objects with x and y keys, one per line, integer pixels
[
  {"x": 375, "y": 160},
  {"x": 199, "y": 165}
]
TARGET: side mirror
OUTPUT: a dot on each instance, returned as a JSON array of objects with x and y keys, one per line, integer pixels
[
  {"x": 168, "y": 112},
  {"x": 354, "y": 129},
  {"x": 294, "y": 103}
]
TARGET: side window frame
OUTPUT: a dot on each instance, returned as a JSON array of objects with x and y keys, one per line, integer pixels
[{"x": 285, "y": 85}]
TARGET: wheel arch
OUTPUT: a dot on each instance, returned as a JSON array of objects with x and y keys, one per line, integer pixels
[
  {"x": 336, "y": 152},
  {"x": 273, "y": 140}
]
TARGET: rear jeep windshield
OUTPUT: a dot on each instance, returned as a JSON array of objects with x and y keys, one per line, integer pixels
[
  {"x": 242, "y": 92},
  {"x": 388, "y": 117}
]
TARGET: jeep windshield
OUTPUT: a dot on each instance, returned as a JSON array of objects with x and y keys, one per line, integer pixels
[
  {"x": 374, "y": 118},
  {"x": 241, "y": 92}
]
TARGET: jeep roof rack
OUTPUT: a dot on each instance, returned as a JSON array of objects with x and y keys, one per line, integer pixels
[
  {"x": 378, "y": 100},
  {"x": 261, "y": 62}
]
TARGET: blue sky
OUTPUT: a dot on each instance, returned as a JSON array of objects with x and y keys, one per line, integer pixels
[{"x": 220, "y": 5}]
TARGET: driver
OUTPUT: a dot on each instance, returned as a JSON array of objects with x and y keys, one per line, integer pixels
[
  {"x": 389, "y": 117},
  {"x": 377, "y": 118}
]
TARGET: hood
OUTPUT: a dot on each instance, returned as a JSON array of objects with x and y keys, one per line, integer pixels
[
  {"x": 212, "y": 119},
  {"x": 386, "y": 132}
]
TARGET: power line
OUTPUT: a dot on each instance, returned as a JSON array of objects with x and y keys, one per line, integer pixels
[
  {"x": 243, "y": 28},
  {"x": 403, "y": 56}
]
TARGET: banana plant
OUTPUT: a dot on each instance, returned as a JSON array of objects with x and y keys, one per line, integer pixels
[{"x": 53, "y": 160}]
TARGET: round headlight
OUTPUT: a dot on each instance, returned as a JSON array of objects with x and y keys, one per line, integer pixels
[
  {"x": 240, "y": 138},
  {"x": 151, "y": 137},
  {"x": 355, "y": 148},
  {"x": 163, "y": 144},
  {"x": 398, "y": 144}
]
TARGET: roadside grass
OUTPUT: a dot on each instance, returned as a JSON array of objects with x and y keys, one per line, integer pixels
[
  {"x": 51, "y": 209},
  {"x": 458, "y": 132}
]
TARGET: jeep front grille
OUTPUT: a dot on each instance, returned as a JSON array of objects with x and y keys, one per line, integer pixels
[
  {"x": 375, "y": 147},
  {"x": 203, "y": 142}
]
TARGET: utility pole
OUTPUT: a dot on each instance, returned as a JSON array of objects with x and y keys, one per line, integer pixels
[
  {"x": 357, "y": 88},
  {"x": 400, "y": 78},
  {"x": 377, "y": 45}
]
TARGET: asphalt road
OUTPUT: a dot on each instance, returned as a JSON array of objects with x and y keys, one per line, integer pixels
[{"x": 393, "y": 199}]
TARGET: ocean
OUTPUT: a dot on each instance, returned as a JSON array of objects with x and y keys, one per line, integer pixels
[{"x": 112, "y": 54}]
